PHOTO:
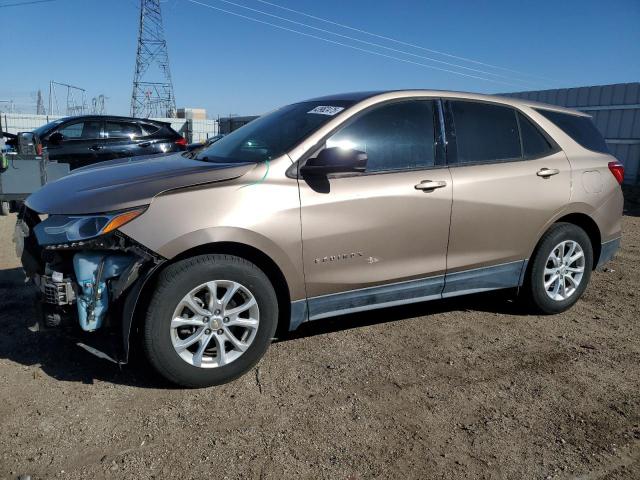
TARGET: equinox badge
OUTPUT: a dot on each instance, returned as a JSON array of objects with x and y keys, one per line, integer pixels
[{"x": 340, "y": 256}]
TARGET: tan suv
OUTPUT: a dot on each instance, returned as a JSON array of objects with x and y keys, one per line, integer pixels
[{"x": 321, "y": 208}]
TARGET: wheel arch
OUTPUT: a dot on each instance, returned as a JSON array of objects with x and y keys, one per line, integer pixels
[
  {"x": 263, "y": 261},
  {"x": 577, "y": 217},
  {"x": 134, "y": 312},
  {"x": 586, "y": 223},
  {"x": 582, "y": 220}
]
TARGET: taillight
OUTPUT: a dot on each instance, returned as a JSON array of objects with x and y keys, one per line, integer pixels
[
  {"x": 39, "y": 149},
  {"x": 618, "y": 171},
  {"x": 181, "y": 141}
]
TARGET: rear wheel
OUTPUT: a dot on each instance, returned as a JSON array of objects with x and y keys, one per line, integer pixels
[
  {"x": 210, "y": 320},
  {"x": 560, "y": 269}
]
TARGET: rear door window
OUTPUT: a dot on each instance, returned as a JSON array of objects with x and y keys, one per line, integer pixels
[
  {"x": 485, "y": 132},
  {"x": 397, "y": 136},
  {"x": 579, "y": 128},
  {"x": 534, "y": 143},
  {"x": 129, "y": 130}
]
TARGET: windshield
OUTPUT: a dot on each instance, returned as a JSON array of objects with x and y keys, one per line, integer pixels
[
  {"x": 273, "y": 134},
  {"x": 45, "y": 128}
]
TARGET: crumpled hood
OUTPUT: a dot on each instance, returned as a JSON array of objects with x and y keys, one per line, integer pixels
[{"x": 120, "y": 184}]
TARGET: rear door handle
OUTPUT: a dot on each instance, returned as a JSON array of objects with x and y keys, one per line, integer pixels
[
  {"x": 95, "y": 148},
  {"x": 547, "y": 172},
  {"x": 430, "y": 185}
]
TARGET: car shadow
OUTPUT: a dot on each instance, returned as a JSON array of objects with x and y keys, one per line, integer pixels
[
  {"x": 54, "y": 354},
  {"x": 58, "y": 357}
]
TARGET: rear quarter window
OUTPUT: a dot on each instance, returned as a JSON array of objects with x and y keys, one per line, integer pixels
[
  {"x": 534, "y": 143},
  {"x": 580, "y": 129},
  {"x": 149, "y": 129},
  {"x": 117, "y": 129}
]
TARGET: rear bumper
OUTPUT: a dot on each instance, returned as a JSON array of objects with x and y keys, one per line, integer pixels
[{"x": 608, "y": 251}]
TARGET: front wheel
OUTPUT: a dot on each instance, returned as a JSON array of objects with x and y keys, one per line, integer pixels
[
  {"x": 560, "y": 269},
  {"x": 210, "y": 320}
]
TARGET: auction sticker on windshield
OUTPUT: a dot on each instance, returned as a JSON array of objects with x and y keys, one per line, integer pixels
[{"x": 326, "y": 110}]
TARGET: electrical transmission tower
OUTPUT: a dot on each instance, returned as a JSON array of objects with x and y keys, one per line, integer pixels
[
  {"x": 98, "y": 105},
  {"x": 76, "y": 99},
  {"x": 152, "y": 87}
]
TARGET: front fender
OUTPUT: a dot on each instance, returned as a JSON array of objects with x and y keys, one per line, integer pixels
[
  {"x": 292, "y": 272},
  {"x": 193, "y": 240}
]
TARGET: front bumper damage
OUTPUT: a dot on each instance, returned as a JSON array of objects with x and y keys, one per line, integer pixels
[{"x": 87, "y": 289}]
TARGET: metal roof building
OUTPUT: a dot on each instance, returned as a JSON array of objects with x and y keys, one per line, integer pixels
[{"x": 615, "y": 110}]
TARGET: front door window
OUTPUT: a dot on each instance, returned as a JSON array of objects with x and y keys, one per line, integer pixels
[
  {"x": 86, "y": 130},
  {"x": 397, "y": 136}
]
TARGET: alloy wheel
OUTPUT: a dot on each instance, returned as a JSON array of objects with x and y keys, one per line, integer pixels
[
  {"x": 564, "y": 270},
  {"x": 215, "y": 323}
]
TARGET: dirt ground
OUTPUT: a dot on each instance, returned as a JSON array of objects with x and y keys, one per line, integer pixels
[{"x": 466, "y": 388}]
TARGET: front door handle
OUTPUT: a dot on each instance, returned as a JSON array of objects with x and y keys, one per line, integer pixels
[
  {"x": 547, "y": 172},
  {"x": 145, "y": 144},
  {"x": 430, "y": 185},
  {"x": 95, "y": 148}
]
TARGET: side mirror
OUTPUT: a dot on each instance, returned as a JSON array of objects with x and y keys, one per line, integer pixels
[
  {"x": 56, "y": 138},
  {"x": 335, "y": 160}
]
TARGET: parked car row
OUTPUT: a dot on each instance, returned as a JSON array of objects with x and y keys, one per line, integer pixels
[
  {"x": 85, "y": 140},
  {"x": 88, "y": 139}
]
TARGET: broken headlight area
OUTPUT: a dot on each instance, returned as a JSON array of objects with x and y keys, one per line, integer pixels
[
  {"x": 82, "y": 266},
  {"x": 73, "y": 229}
]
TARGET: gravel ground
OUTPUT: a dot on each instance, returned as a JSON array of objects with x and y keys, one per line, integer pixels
[{"x": 466, "y": 388}]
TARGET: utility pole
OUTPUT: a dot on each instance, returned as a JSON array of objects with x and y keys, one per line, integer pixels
[
  {"x": 40, "y": 104},
  {"x": 152, "y": 87}
]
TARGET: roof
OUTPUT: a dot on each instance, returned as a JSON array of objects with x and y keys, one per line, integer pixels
[
  {"x": 112, "y": 117},
  {"x": 350, "y": 96},
  {"x": 518, "y": 102}
]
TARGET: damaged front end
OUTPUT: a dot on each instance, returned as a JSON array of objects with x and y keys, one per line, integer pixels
[{"x": 88, "y": 275}]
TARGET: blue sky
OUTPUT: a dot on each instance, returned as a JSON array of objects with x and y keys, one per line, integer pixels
[{"x": 228, "y": 64}]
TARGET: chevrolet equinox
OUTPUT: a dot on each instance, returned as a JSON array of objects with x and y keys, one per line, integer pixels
[{"x": 321, "y": 208}]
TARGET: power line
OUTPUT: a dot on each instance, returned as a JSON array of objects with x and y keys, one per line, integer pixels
[
  {"x": 403, "y": 52},
  {"x": 351, "y": 46},
  {"x": 400, "y": 41},
  {"x": 20, "y": 4}
]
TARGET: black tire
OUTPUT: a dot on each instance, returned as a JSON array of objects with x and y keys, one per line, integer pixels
[
  {"x": 173, "y": 284},
  {"x": 534, "y": 289}
]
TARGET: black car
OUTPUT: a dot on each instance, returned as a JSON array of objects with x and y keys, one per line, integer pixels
[{"x": 88, "y": 139}]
